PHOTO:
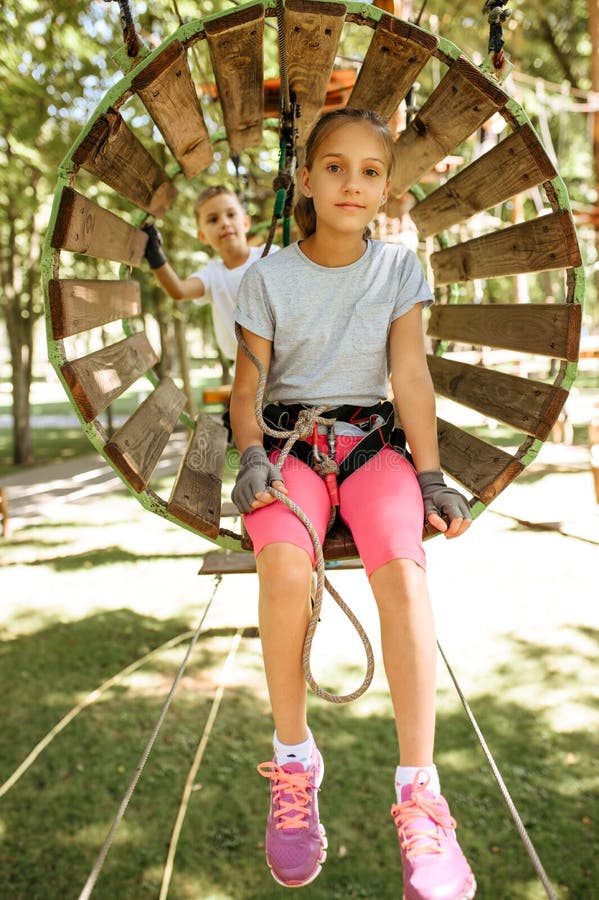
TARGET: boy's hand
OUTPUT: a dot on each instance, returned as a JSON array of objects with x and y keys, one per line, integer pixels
[
  {"x": 256, "y": 473},
  {"x": 154, "y": 252},
  {"x": 439, "y": 500}
]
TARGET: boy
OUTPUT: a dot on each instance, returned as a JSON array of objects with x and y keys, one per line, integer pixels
[{"x": 222, "y": 224}]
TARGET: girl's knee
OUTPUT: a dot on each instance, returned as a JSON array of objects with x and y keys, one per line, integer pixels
[{"x": 285, "y": 571}]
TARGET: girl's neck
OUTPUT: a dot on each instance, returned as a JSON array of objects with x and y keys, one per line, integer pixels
[{"x": 334, "y": 251}]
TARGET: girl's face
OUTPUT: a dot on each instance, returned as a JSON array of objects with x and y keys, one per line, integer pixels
[{"x": 348, "y": 178}]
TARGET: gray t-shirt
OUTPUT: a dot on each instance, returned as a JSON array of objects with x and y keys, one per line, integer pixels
[{"x": 330, "y": 326}]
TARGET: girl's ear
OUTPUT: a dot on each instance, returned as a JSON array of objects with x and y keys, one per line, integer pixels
[
  {"x": 385, "y": 192},
  {"x": 305, "y": 183}
]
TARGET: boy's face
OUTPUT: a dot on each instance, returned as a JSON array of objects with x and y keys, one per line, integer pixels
[{"x": 223, "y": 224}]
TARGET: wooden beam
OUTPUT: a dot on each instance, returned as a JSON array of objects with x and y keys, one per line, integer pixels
[
  {"x": 312, "y": 32},
  {"x": 516, "y": 164},
  {"x": 462, "y": 101},
  {"x": 548, "y": 329},
  {"x": 100, "y": 377},
  {"x": 84, "y": 227},
  {"x": 399, "y": 50},
  {"x": 538, "y": 245},
  {"x": 166, "y": 89},
  {"x": 112, "y": 153},
  {"x": 235, "y": 43},
  {"x": 137, "y": 446},
  {"x": 531, "y": 407},
  {"x": 196, "y": 495},
  {"x": 78, "y": 305},
  {"x": 482, "y": 469}
]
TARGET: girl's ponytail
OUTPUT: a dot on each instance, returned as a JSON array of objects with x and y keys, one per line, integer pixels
[{"x": 305, "y": 216}]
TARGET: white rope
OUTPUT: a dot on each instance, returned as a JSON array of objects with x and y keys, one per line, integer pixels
[
  {"x": 87, "y": 701},
  {"x": 97, "y": 867},
  {"x": 191, "y": 777}
]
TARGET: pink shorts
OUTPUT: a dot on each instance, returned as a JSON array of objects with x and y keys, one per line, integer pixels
[{"x": 380, "y": 502}]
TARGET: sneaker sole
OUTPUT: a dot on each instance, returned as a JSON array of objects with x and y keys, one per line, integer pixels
[
  {"x": 466, "y": 894},
  {"x": 319, "y": 864}
]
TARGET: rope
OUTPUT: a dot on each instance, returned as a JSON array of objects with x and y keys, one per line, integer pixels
[
  {"x": 304, "y": 427},
  {"x": 497, "y": 15},
  {"x": 132, "y": 42},
  {"x": 97, "y": 867},
  {"x": 538, "y": 867},
  {"x": 87, "y": 701},
  {"x": 193, "y": 771}
]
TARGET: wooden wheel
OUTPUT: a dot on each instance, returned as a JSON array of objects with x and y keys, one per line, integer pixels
[{"x": 461, "y": 101}]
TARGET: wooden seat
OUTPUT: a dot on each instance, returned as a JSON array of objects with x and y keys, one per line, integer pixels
[{"x": 461, "y": 101}]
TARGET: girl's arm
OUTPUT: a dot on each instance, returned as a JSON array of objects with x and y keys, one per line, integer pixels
[
  {"x": 415, "y": 401},
  {"x": 246, "y": 431}
]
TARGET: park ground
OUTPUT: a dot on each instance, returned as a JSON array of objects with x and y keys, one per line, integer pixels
[{"x": 90, "y": 583}]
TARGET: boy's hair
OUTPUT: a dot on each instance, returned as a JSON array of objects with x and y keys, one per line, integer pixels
[
  {"x": 214, "y": 191},
  {"x": 304, "y": 213}
]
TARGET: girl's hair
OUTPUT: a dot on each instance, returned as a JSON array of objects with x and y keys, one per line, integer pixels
[
  {"x": 304, "y": 213},
  {"x": 214, "y": 191}
]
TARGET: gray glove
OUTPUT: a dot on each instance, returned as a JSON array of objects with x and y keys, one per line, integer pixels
[
  {"x": 256, "y": 472},
  {"x": 441, "y": 499},
  {"x": 154, "y": 252}
]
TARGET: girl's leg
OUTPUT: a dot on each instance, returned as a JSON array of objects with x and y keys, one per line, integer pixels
[
  {"x": 284, "y": 559},
  {"x": 285, "y": 572},
  {"x": 409, "y": 655}
]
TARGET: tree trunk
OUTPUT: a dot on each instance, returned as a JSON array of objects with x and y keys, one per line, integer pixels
[
  {"x": 19, "y": 325},
  {"x": 182, "y": 352},
  {"x": 594, "y": 35}
]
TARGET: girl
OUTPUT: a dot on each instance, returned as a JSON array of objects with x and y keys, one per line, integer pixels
[{"x": 327, "y": 317}]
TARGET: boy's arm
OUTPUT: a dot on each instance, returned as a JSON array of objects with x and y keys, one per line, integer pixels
[{"x": 175, "y": 287}]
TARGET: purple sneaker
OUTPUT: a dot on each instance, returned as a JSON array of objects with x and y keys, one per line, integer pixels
[
  {"x": 295, "y": 840},
  {"x": 434, "y": 867}
]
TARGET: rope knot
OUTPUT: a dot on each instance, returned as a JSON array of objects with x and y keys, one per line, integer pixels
[
  {"x": 325, "y": 465},
  {"x": 304, "y": 425}
]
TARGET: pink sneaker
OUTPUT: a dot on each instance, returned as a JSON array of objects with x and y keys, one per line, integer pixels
[
  {"x": 434, "y": 867},
  {"x": 295, "y": 840}
]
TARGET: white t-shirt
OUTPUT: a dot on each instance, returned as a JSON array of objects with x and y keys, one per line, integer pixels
[
  {"x": 221, "y": 286},
  {"x": 330, "y": 326}
]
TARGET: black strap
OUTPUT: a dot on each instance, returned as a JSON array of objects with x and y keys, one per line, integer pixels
[{"x": 284, "y": 417}]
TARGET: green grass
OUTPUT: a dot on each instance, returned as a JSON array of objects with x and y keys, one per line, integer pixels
[{"x": 87, "y": 594}]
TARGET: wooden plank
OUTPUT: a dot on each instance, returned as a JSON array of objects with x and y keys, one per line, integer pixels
[
  {"x": 84, "y": 227},
  {"x": 137, "y": 446},
  {"x": 482, "y": 469},
  {"x": 516, "y": 164},
  {"x": 100, "y": 377},
  {"x": 549, "y": 329},
  {"x": 462, "y": 101},
  {"x": 223, "y": 562},
  {"x": 196, "y": 494},
  {"x": 529, "y": 406},
  {"x": 78, "y": 305},
  {"x": 539, "y": 245},
  {"x": 312, "y": 32},
  {"x": 235, "y": 43},
  {"x": 166, "y": 89},
  {"x": 399, "y": 50},
  {"x": 112, "y": 153}
]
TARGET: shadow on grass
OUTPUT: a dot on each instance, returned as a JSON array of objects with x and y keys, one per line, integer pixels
[
  {"x": 55, "y": 819},
  {"x": 101, "y": 557}
]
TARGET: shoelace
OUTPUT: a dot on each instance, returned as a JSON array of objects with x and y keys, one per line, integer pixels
[
  {"x": 291, "y": 794},
  {"x": 417, "y": 840}
]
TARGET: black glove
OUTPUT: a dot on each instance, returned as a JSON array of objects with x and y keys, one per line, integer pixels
[
  {"x": 441, "y": 499},
  {"x": 154, "y": 252},
  {"x": 256, "y": 472}
]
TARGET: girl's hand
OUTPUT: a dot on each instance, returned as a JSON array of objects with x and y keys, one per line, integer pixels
[
  {"x": 256, "y": 473},
  {"x": 441, "y": 500}
]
